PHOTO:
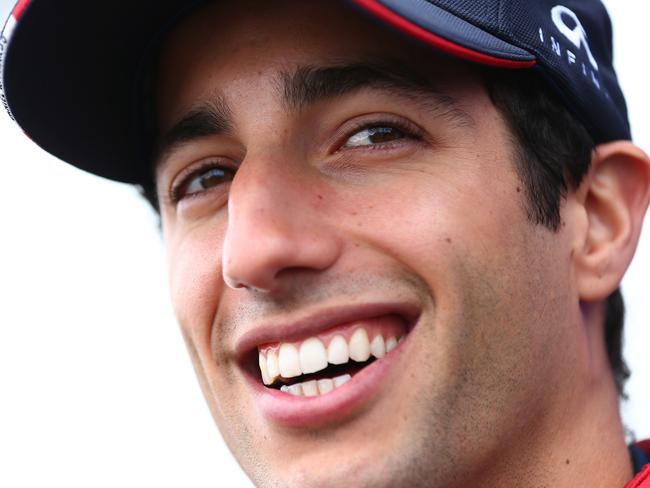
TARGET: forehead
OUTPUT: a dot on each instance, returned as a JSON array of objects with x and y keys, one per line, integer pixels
[{"x": 224, "y": 45}]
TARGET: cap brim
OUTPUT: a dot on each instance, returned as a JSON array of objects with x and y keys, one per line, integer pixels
[
  {"x": 73, "y": 70},
  {"x": 71, "y": 78},
  {"x": 448, "y": 33}
]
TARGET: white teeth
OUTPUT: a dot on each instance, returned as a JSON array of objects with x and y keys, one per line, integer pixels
[
  {"x": 264, "y": 370},
  {"x": 360, "y": 345},
  {"x": 310, "y": 388},
  {"x": 337, "y": 351},
  {"x": 312, "y": 356},
  {"x": 272, "y": 365},
  {"x": 377, "y": 347},
  {"x": 316, "y": 387},
  {"x": 289, "y": 361},
  {"x": 341, "y": 380},
  {"x": 325, "y": 386}
]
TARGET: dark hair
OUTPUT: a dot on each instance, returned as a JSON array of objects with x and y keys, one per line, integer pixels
[{"x": 553, "y": 154}]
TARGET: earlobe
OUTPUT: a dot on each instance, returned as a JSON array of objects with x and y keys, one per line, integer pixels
[{"x": 615, "y": 195}]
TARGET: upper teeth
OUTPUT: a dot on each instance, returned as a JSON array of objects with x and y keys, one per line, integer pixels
[{"x": 290, "y": 360}]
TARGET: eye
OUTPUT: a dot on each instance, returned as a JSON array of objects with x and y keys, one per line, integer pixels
[
  {"x": 201, "y": 180},
  {"x": 377, "y": 134}
]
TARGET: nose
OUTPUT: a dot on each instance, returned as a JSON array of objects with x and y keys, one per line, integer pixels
[{"x": 276, "y": 228}]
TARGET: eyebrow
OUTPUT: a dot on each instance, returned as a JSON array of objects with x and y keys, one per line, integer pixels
[
  {"x": 213, "y": 117},
  {"x": 308, "y": 85}
]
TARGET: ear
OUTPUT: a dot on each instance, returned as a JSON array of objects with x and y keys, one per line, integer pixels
[{"x": 614, "y": 196}]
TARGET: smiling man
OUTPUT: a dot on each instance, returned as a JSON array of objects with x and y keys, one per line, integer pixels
[{"x": 395, "y": 229}]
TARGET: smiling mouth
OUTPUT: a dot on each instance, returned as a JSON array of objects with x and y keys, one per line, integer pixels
[{"x": 322, "y": 363}]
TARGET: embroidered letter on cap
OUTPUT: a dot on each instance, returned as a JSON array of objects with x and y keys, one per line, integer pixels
[{"x": 577, "y": 35}]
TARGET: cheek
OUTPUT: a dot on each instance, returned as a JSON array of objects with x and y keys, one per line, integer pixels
[
  {"x": 426, "y": 219},
  {"x": 194, "y": 262}
]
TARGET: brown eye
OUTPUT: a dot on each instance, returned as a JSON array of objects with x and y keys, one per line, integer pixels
[
  {"x": 375, "y": 135},
  {"x": 203, "y": 180}
]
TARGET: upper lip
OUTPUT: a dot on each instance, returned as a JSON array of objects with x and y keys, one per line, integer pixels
[{"x": 318, "y": 321}]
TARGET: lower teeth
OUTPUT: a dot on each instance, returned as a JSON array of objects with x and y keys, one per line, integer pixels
[{"x": 316, "y": 387}]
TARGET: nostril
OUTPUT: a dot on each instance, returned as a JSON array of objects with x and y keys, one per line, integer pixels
[
  {"x": 237, "y": 284},
  {"x": 232, "y": 282}
]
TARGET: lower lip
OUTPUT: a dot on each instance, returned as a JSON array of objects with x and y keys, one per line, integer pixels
[{"x": 287, "y": 410}]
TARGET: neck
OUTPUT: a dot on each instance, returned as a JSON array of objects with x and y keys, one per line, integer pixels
[
  {"x": 580, "y": 440},
  {"x": 585, "y": 446}
]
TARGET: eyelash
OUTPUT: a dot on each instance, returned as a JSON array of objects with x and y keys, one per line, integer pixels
[
  {"x": 408, "y": 130},
  {"x": 177, "y": 191}
]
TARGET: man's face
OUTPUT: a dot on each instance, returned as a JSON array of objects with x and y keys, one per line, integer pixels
[{"x": 321, "y": 175}]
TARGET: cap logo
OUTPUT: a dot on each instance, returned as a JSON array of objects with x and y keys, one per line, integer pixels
[{"x": 577, "y": 35}]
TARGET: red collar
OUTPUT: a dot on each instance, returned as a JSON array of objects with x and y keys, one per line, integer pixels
[{"x": 642, "y": 480}]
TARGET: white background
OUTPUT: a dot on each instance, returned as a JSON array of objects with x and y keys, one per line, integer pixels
[{"x": 96, "y": 389}]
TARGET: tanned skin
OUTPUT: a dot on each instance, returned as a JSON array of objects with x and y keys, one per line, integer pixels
[{"x": 503, "y": 380}]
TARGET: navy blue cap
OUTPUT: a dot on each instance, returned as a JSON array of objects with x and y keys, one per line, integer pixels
[{"x": 71, "y": 71}]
